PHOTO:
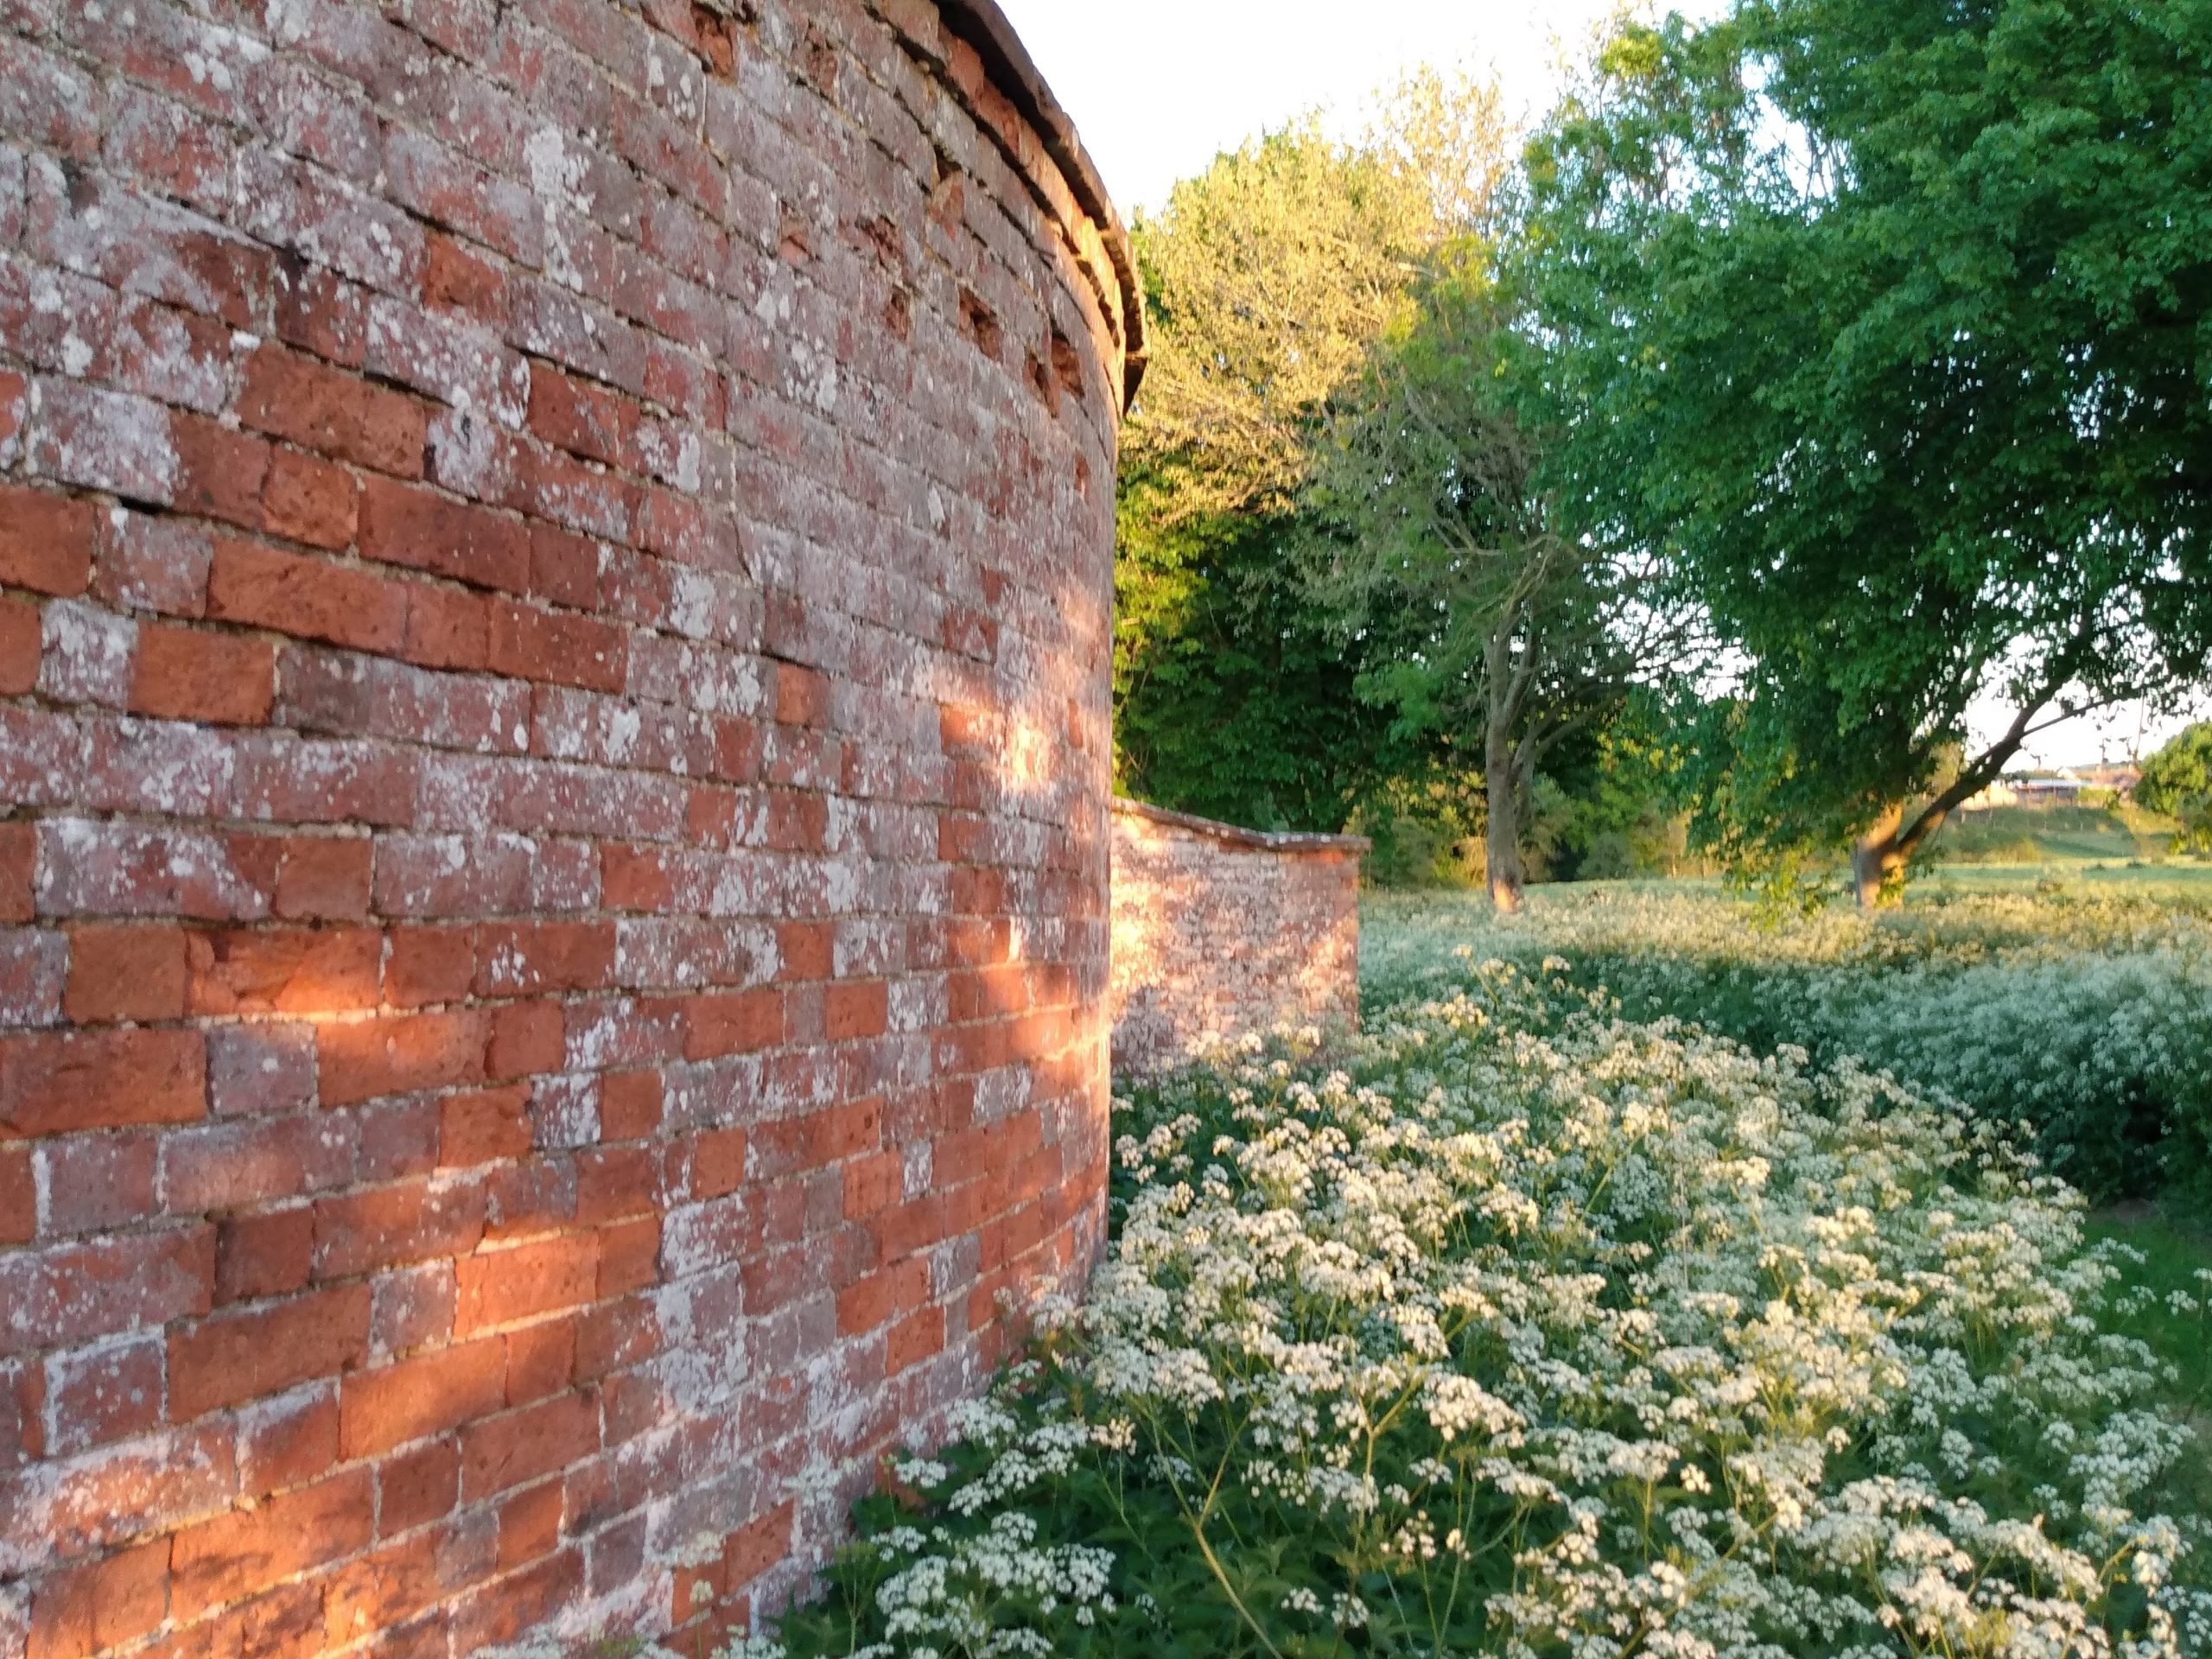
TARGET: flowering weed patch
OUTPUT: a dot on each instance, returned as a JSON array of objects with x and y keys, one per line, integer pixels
[
  {"x": 1516, "y": 1328},
  {"x": 2088, "y": 1019}
]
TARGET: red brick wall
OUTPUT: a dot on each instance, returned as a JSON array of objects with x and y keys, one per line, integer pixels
[
  {"x": 555, "y": 570},
  {"x": 1219, "y": 931}
]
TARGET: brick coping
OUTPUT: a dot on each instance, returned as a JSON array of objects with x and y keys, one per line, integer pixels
[
  {"x": 984, "y": 27},
  {"x": 1271, "y": 841}
]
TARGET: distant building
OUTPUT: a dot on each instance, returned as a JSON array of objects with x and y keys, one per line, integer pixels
[{"x": 2064, "y": 788}]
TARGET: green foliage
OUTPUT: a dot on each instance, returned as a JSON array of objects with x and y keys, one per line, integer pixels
[
  {"x": 1892, "y": 325},
  {"x": 2178, "y": 781},
  {"x": 1234, "y": 697},
  {"x": 1268, "y": 278}
]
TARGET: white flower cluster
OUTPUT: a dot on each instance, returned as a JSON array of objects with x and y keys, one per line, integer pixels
[
  {"x": 1961, "y": 997},
  {"x": 1504, "y": 1332}
]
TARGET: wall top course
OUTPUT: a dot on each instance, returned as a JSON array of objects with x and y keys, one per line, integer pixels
[
  {"x": 984, "y": 27},
  {"x": 1267, "y": 841}
]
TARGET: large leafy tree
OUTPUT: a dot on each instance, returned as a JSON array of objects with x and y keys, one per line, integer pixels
[
  {"x": 2178, "y": 781},
  {"x": 1887, "y": 320},
  {"x": 1482, "y": 624},
  {"x": 1268, "y": 277}
]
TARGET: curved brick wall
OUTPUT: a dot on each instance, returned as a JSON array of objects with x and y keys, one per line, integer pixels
[{"x": 555, "y": 569}]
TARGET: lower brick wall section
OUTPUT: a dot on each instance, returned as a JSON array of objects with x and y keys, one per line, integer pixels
[
  {"x": 1219, "y": 931},
  {"x": 556, "y": 585}
]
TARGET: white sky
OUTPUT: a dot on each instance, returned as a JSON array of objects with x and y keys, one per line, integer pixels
[{"x": 1159, "y": 87}]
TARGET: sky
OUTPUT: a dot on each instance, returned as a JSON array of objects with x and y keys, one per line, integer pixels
[{"x": 1159, "y": 87}]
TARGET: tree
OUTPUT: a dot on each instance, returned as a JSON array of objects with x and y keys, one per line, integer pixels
[
  {"x": 2178, "y": 781},
  {"x": 1887, "y": 320},
  {"x": 1441, "y": 554},
  {"x": 1267, "y": 277}
]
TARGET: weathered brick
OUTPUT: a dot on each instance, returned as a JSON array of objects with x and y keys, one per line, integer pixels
[
  {"x": 233, "y": 1555},
  {"x": 561, "y": 852},
  {"x": 311, "y": 597},
  {"x": 189, "y": 674},
  {"x": 419, "y": 1397},
  {"x": 242, "y": 1356},
  {"x": 396, "y": 1055},
  {"x": 53, "y": 1083},
  {"x": 409, "y": 525},
  {"x": 285, "y": 971},
  {"x": 270, "y": 1253},
  {"x": 502, "y": 1286},
  {"x": 76, "y": 1294},
  {"x": 561, "y": 647},
  {"x": 46, "y": 541},
  {"x": 101, "y": 1604},
  {"x": 104, "y": 1394},
  {"x": 332, "y": 413}
]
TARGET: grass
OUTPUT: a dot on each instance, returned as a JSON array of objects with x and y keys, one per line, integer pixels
[
  {"x": 2174, "y": 1249},
  {"x": 2013, "y": 849}
]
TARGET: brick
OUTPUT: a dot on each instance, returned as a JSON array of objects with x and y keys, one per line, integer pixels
[
  {"x": 192, "y": 674},
  {"x": 289, "y": 1441},
  {"x": 234, "y": 1555},
  {"x": 243, "y": 1356},
  {"x": 358, "y": 1233},
  {"x": 629, "y": 1257},
  {"x": 852, "y": 1011},
  {"x": 756, "y": 1547},
  {"x": 528, "y": 1038},
  {"x": 324, "y": 879},
  {"x": 418, "y": 1398},
  {"x": 78, "y": 1293},
  {"x": 260, "y": 1069},
  {"x": 334, "y": 414},
  {"x": 718, "y": 1163},
  {"x": 51, "y": 1082},
  {"x": 305, "y": 970},
  {"x": 46, "y": 541},
  {"x": 882, "y": 1297},
  {"x": 802, "y": 695},
  {"x": 409, "y": 525},
  {"x": 416, "y": 1487},
  {"x": 268, "y": 1254},
  {"x": 425, "y": 966},
  {"x": 103, "y": 1395},
  {"x": 20, "y": 642},
  {"x": 488, "y": 1126},
  {"x": 529, "y": 1525},
  {"x": 220, "y": 473},
  {"x": 100, "y": 1604},
  {"x": 541, "y": 1361},
  {"x": 527, "y": 1443},
  {"x": 399, "y": 1055},
  {"x": 736, "y": 1023},
  {"x": 309, "y": 597},
  {"x": 913, "y": 1339},
  {"x": 559, "y": 647},
  {"x": 96, "y": 1183},
  {"x": 503, "y": 1286},
  {"x": 18, "y": 1197},
  {"x": 256, "y": 1160},
  {"x": 306, "y": 499},
  {"x": 529, "y": 958}
]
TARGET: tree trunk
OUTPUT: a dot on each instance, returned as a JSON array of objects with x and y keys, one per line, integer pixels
[
  {"x": 1879, "y": 857},
  {"x": 1500, "y": 785}
]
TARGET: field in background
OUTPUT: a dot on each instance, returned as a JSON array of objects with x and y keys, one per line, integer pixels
[{"x": 2007, "y": 847}]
